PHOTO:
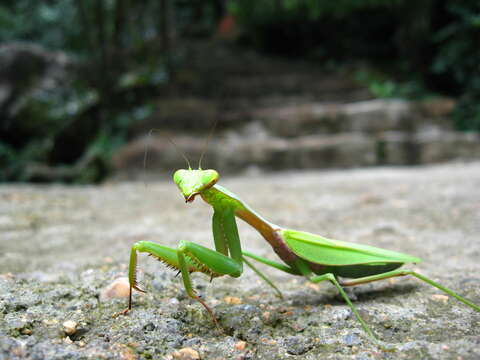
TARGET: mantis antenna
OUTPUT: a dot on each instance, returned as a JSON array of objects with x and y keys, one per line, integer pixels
[
  {"x": 207, "y": 141},
  {"x": 145, "y": 156}
]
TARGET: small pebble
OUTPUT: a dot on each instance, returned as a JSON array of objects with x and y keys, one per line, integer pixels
[
  {"x": 149, "y": 327},
  {"x": 26, "y": 331},
  {"x": 268, "y": 341},
  {"x": 7, "y": 276},
  {"x": 67, "y": 340},
  {"x": 352, "y": 339},
  {"x": 50, "y": 322},
  {"x": 173, "y": 301},
  {"x": 312, "y": 286},
  {"x": 186, "y": 354},
  {"x": 70, "y": 327},
  {"x": 241, "y": 345},
  {"x": 231, "y": 300},
  {"x": 439, "y": 297},
  {"x": 297, "y": 345},
  {"x": 119, "y": 288}
]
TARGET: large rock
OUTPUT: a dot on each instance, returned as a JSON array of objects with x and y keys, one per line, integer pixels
[{"x": 62, "y": 246}]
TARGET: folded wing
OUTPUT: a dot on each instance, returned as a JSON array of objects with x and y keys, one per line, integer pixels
[{"x": 320, "y": 250}]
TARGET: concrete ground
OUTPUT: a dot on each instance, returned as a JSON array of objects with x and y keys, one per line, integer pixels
[{"x": 62, "y": 246}]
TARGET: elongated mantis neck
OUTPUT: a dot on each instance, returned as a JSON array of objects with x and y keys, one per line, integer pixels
[{"x": 218, "y": 196}]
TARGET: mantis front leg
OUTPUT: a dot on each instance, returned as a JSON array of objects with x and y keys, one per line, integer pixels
[
  {"x": 207, "y": 261},
  {"x": 187, "y": 258}
]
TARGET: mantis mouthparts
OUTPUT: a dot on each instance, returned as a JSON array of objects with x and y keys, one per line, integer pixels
[{"x": 191, "y": 197}]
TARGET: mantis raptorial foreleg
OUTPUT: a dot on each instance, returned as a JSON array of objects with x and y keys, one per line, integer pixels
[
  {"x": 207, "y": 261},
  {"x": 189, "y": 257}
]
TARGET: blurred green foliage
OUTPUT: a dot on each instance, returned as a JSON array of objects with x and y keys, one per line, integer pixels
[
  {"x": 53, "y": 24},
  {"x": 458, "y": 55},
  {"x": 115, "y": 55},
  {"x": 417, "y": 47},
  {"x": 124, "y": 55},
  {"x": 382, "y": 85}
]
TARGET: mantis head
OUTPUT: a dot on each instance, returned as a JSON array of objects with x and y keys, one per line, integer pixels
[{"x": 193, "y": 182}]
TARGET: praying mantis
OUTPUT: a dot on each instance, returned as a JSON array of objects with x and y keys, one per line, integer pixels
[{"x": 314, "y": 257}]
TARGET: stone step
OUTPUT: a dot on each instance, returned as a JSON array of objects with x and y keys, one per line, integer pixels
[
  {"x": 316, "y": 86},
  {"x": 370, "y": 116},
  {"x": 232, "y": 154},
  {"x": 292, "y": 116},
  {"x": 427, "y": 146},
  {"x": 237, "y": 72}
]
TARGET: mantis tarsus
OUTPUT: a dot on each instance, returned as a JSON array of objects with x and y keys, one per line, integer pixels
[{"x": 304, "y": 254}]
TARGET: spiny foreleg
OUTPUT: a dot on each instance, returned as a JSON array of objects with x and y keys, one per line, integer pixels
[{"x": 187, "y": 258}]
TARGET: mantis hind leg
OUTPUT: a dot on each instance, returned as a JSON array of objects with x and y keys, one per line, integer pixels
[
  {"x": 395, "y": 273},
  {"x": 330, "y": 277}
]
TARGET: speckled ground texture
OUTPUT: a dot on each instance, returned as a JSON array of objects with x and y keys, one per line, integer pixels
[{"x": 61, "y": 246}]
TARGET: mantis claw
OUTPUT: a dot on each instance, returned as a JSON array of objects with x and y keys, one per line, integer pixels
[
  {"x": 138, "y": 289},
  {"x": 210, "y": 311},
  {"x": 123, "y": 312}
]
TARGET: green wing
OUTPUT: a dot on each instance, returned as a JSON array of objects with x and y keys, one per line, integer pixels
[{"x": 325, "y": 251}]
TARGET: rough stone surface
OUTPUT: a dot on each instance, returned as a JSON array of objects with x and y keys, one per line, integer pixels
[{"x": 62, "y": 246}]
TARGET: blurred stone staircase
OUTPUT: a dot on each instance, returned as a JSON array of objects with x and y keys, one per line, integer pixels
[
  {"x": 366, "y": 133},
  {"x": 274, "y": 115}
]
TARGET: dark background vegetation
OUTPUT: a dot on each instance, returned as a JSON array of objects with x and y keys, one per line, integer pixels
[{"x": 109, "y": 61}]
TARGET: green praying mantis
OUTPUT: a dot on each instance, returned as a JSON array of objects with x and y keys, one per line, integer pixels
[{"x": 304, "y": 254}]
